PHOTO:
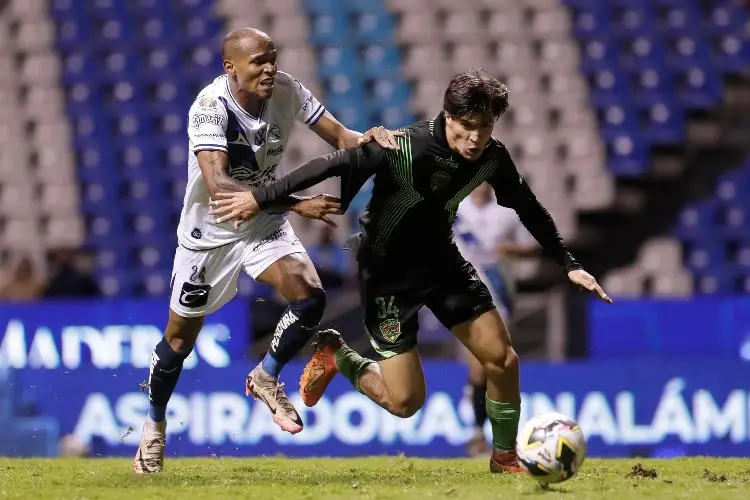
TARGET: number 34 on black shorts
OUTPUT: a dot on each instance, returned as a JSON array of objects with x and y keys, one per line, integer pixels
[{"x": 391, "y": 302}]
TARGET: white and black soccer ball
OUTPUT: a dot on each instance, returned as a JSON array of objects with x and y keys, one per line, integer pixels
[{"x": 551, "y": 447}]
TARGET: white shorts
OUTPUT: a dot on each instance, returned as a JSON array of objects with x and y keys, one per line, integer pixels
[{"x": 205, "y": 280}]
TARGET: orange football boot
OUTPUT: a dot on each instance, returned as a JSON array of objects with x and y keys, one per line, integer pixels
[
  {"x": 321, "y": 369},
  {"x": 505, "y": 461}
]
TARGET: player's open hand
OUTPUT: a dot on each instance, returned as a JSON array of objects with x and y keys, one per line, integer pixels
[
  {"x": 319, "y": 207},
  {"x": 585, "y": 280},
  {"x": 386, "y": 138},
  {"x": 238, "y": 206}
]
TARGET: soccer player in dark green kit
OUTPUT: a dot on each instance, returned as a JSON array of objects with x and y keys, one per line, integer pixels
[{"x": 408, "y": 259}]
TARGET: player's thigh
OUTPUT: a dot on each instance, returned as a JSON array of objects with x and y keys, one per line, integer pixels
[
  {"x": 280, "y": 260},
  {"x": 203, "y": 281},
  {"x": 404, "y": 378},
  {"x": 390, "y": 308},
  {"x": 487, "y": 339}
]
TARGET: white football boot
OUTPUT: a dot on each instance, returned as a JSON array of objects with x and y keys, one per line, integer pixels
[{"x": 150, "y": 455}]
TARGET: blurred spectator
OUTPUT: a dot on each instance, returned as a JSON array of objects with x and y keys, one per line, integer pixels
[
  {"x": 24, "y": 284},
  {"x": 68, "y": 279}
]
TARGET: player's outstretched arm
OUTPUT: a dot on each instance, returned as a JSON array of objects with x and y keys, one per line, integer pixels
[
  {"x": 342, "y": 163},
  {"x": 337, "y": 135},
  {"x": 512, "y": 191}
]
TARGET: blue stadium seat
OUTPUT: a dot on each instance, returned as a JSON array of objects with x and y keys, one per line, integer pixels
[
  {"x": 628, "y": 155},
  {"x": 336, "y": 60},
  {"x": 644, "y": 52},
  {"x": 699, "y": 87},
  {"x": 322, "y": 6},
  {"x": 633, "y": 21},
  {"x": 378, "y": 60},
  {"x": 372, "y": 28},
  {"x": 732, "y": 53},
  {"x": 593, "y": 19},
  {"x": 689, "y": 51},
  {"x": 371, "y": 6},
  {"x": 663, "y": 120},
  {"x": 679, "y": 20},
  {"x": 331, "y": 28}
]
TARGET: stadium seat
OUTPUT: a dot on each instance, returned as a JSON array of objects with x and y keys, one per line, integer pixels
[{"x": 623, "y": 73}]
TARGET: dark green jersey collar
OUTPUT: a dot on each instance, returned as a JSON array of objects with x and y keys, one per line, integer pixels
[{"x": 437, "y": 129}]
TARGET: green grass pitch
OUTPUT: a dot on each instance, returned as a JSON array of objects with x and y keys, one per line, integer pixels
[{"x": 377, "y": 477}]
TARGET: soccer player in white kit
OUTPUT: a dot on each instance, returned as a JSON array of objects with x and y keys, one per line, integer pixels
[{"x": 238, "y": 128}]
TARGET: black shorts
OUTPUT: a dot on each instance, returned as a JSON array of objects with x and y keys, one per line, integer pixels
[{"x": 392, "y": 296}]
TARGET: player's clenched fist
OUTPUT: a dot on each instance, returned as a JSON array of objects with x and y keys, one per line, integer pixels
[
  {"x": 238, "y": 206},
  {"x": 318, "y": 207}
]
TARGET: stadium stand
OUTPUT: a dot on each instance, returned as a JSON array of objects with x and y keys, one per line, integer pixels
[
  {"x": 652, "y": 65},
  {"x": 39, "y": 199},
  {"x": 113, "y": 81}
]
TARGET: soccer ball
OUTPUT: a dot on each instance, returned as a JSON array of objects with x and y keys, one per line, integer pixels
[{"x": 551, "y": 447}]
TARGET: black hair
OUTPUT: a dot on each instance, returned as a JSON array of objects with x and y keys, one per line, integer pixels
[{"x": 476, "y": 92}]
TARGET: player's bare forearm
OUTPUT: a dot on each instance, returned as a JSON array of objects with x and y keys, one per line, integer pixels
[
  {"x": 334, "y": 133},
  {"x": 224, "y": 182},
  {"x": 348, "y": 139},
  {"x": 214, "y": 166}
]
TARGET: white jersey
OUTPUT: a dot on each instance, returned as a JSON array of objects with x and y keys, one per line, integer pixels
[
  {"x": 480, "y": 229},
  {"x": 216, "y": 122}
]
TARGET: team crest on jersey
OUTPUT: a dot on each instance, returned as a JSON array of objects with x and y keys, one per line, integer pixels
[
  {"x": 274, "y": 133},
  {"x": 207, "y": 102},
  {"x": 439, "y": 180},
  {"x": 390, "y": 329}
]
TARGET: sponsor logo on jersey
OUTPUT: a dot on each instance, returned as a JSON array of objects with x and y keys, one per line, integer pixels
[
  {"x": 275, "y": 151},
  {"x": 194, "y": 295},
  {"x": 446, "y": 162},
  {"x": 390, "y": 329},
  {"x": 279, "y": 233},
  {"x": 260, "y": 138},
  {"x": 196, "y": 233},
  {"x": 212, "y": 136},
  {"x": 308, "y": 102},
  {"x": 274, "y": 133},
  {"x": 207, "y": 102},
  {"x": 439, "y": 180},
  {"x": 212, "y": 119}
]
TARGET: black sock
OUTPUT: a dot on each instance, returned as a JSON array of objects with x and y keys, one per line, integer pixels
[
  {"x": 166, "y": 365},
  {"x": 293, "y": 332},
  {"x": 478, "y": 402}
]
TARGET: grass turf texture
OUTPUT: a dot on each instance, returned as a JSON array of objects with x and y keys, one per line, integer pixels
[{"x": 381, "y": 477}]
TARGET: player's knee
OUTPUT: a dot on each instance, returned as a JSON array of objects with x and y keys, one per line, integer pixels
[
  {"x": 504, "y": 361},
  {"x": 310, "y": 309},
  {"x": 406, "y": 408},
  {"x": 181, "y": 333}
]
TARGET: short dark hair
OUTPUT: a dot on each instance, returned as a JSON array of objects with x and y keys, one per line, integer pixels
[{"x": 476, "y": 92}]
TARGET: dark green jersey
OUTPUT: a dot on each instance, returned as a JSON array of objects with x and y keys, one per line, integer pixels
[{"x": 416, "y": 193}]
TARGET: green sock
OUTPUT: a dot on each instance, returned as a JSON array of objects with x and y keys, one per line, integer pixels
[
  {"x": 504, "y": 421},
  {"x": 351, "y": 364}
]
